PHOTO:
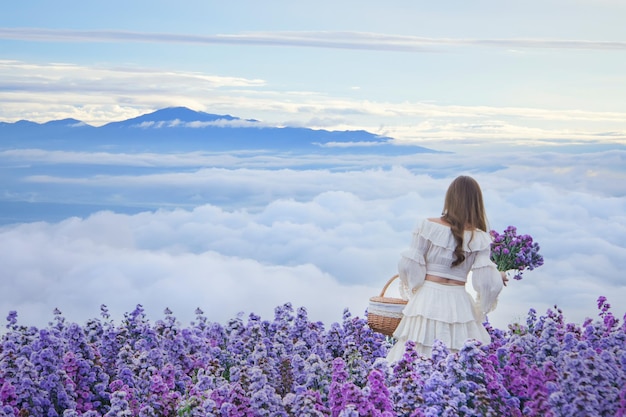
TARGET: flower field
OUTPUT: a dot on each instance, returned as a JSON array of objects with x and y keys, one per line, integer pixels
[{"x": 291, "y": 366}]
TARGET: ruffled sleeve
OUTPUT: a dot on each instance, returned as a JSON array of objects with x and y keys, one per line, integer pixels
[
  {"x": 412, "y": 265},
  {"x": 487, "y": 281}
]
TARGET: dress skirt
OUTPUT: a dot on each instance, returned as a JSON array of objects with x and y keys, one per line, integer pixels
[{"x": 438, "y": 311}]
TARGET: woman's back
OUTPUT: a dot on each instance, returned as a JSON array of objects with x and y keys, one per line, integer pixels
[{"x": 436, "y": 241}]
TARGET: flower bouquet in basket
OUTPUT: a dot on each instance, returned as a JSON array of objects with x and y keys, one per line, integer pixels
[{"x": 511, "y": 252}]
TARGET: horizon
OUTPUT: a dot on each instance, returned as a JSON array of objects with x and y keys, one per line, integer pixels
[{"x": 234, "y": 121}]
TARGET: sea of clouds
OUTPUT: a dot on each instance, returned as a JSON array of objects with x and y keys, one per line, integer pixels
[{"x": 233, "y": 233}]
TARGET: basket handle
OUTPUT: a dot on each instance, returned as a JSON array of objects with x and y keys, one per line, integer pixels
[{"x": 382, "y": 293}]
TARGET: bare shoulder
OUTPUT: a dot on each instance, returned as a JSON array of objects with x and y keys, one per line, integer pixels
[
  {"x": 438, "y": 220},
  {"x": 441, "y": 221}
]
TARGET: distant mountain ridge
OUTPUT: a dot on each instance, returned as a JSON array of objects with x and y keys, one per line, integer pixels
[{"x": 180, "y": 129}]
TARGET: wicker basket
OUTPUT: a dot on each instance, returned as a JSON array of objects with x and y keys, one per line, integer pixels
[{"x": 384, "y": 313}]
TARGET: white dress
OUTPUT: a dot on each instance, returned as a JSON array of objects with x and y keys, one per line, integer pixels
[{"x": 438, "y": 311}]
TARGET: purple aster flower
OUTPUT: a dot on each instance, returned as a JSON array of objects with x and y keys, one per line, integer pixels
[{"x": 512, "y": 252}]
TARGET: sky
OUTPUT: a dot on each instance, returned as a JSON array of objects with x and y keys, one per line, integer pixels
[
  {"x": 528, "y": 97},
  {"x": 435, "y": 72}
]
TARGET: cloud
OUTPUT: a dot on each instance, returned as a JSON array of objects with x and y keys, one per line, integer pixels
[
  {"x": 80, "y": 271},
  {"x": 322, "y": 238},
  {"x": 123, "y": 159},
  {"x": 316, "y": 39},
  {"x": 198, "y": 125},
  {"x": 228, "y": 123},
  {"x": 22, "y": 76},
  {"x": 243, "y": 172},
  {"x": 350, "y": 144}
]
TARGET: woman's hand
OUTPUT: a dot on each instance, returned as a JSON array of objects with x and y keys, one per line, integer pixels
[{"x": 505, "y": 279}]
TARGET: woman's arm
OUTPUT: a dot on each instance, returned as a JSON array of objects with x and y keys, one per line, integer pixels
[
  {"x": 487, "y": 281},
  {"x": 412, "y": 265}
]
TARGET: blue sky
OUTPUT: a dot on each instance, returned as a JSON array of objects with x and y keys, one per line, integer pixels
[
  {"x": 506, "y": 86},
  {"x": 434, "y": 72}
]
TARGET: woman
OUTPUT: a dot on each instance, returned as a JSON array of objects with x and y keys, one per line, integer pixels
[{"x": 434, "y": 270}]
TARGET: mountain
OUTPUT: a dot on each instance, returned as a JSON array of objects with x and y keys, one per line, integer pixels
[
  {"x": 171, "y": 114},
  {"x": 179, "y": 129}
]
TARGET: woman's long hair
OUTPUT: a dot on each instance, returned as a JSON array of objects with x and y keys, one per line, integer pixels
[{"x": 464, "y": 210}]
